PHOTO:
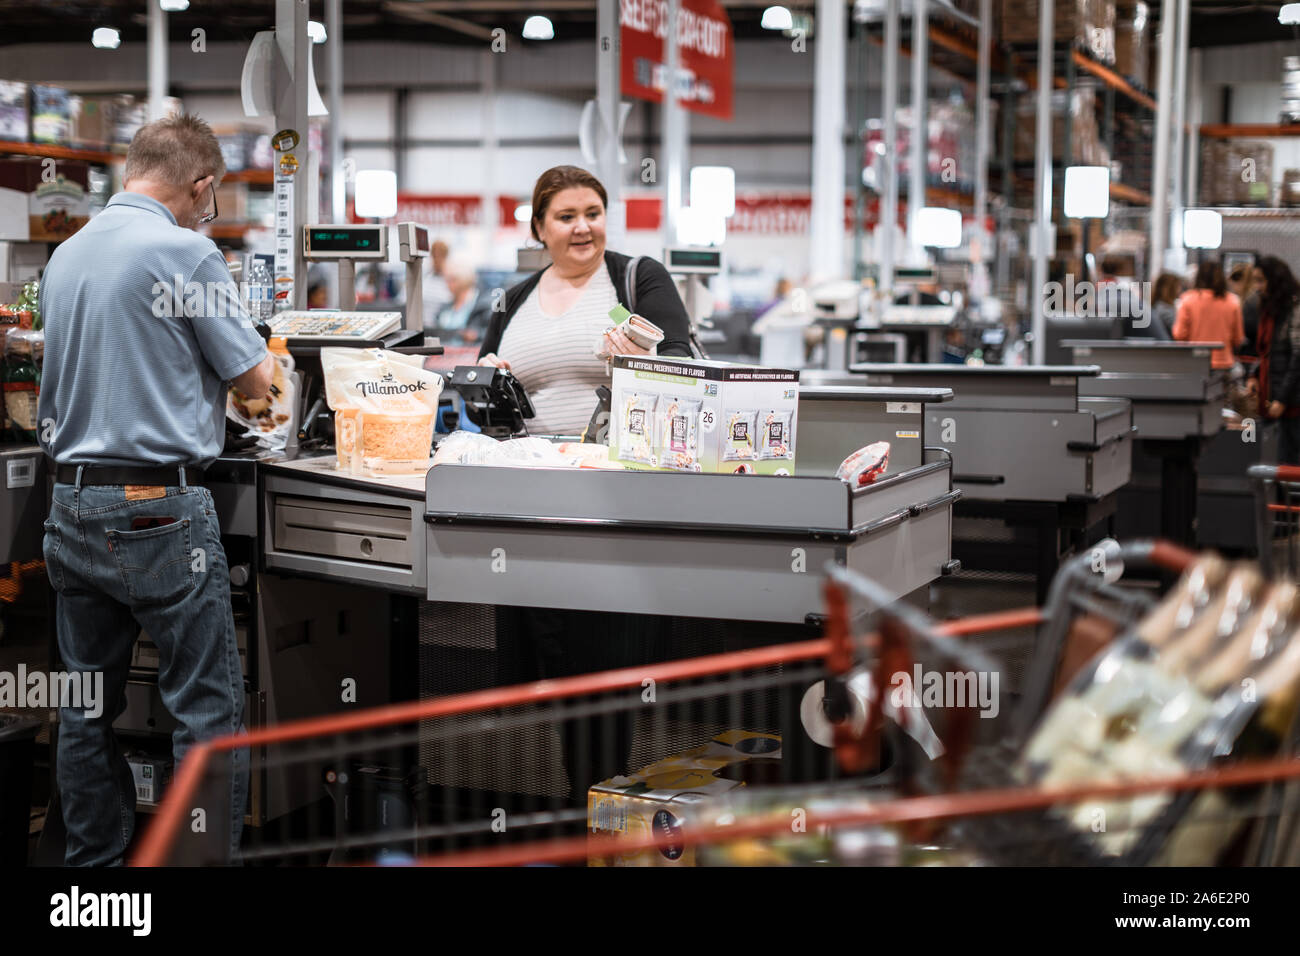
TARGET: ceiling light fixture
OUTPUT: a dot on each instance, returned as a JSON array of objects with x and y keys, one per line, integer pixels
[
  {"x": 777, "y": 18},
  {"x": 106, "y": 38},
  {"x": 538, "y": 28}
]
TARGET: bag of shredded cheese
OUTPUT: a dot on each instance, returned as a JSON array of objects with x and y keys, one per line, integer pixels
[{"x": 385, "y": 405}]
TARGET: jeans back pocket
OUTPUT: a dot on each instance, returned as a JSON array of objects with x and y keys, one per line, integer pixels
[
  {"x": 156, "y": 564},
  {"x": 51, "y": 545}
]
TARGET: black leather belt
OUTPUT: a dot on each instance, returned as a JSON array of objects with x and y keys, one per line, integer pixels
[{"x": 125, "y": 475}]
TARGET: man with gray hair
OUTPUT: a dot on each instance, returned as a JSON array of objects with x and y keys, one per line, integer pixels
[{"x": 132, "y": 411}]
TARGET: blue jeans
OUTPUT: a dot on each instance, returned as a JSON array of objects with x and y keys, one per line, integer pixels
[{"x": 171, "y": 580}]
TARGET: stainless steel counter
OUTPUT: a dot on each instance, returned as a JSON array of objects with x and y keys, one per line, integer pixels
[
  {"x": 1174, "y": 391},
  {"x": 742, "y": 547},
  {"x": 1018, "y": 433}
]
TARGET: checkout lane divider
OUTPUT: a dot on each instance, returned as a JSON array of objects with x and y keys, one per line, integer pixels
[{"x": 156, "y": 841}]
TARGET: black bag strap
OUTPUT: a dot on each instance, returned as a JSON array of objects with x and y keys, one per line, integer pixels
[{"x": 629, "y": 284}]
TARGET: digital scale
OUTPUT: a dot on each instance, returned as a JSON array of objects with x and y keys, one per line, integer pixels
[
  {"x": 695, "y": 265},
  {"x": 348, "y": 243}
]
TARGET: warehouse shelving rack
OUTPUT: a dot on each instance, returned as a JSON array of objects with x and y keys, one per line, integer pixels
[{"x": 954, "y": 50}]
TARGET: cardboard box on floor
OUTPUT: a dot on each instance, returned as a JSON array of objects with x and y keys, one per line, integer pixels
[{"x": 662, "y": 797}]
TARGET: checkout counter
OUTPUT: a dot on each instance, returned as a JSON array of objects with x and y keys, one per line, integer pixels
[
  {"x": 706, "y": 546},
  {"x": 1177, "y": 410},
  {"x": 403, "y": 574},
  {"x": 1032, "y": 455}
]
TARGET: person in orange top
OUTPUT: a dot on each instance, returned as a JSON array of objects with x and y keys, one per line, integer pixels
[{"x": 1210, "y": 313}]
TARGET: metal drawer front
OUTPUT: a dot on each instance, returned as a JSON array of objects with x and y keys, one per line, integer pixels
[{"x": 373, "y": 534}]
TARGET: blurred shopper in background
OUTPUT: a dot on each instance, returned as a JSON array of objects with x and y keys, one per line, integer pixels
[
  {"x": 1164, "y": 306},
  {"x": 783, "y": 287},
  {"x": 464, "y": 318},
  {"x": 1210, "y": 313},
  {"x": 435, "y": 290},
  {"x": 1278, "y": 344},
  {"x": 1241, "y": 283}
]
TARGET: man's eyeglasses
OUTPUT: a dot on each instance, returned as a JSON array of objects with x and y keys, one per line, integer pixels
[{"x": 208, "y": 217}]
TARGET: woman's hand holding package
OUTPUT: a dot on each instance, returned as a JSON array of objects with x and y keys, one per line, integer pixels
[{"x": 618, "y": 342}]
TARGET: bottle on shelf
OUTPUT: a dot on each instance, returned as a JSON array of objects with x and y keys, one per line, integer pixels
[{"x": 261, "y": 292}]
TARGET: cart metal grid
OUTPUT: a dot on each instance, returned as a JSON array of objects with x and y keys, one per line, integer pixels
[
  {"x": 1277, "y": 507},
  {"x": 879, "y": 774}
]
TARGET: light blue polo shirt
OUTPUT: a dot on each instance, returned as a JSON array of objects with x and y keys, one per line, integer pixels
[{"x": 143, "y": 328}]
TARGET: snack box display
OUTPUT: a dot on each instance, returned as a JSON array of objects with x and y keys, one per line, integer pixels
[
  {"x": 13, "y": 110},
  {"x": 93, "y": 121},
  {"x": 52, "y": 108},
  {"x": 674, "y": 414},
  {"x": 662, "y": 797},
  {"x": 35, "y": 207}
]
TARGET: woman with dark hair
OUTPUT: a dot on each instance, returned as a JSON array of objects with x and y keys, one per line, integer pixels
[
  {"x": 1210, "y": 313},
  {"x": 1164, "y": 306},
  {"x": 550, "y": 329},
  {"x": 1279, "y": 353},
  {"x": 1241, "y": 283},
  {"x": 547, "y": 335}
]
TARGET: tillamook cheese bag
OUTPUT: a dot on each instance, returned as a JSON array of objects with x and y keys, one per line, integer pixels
[{"x": 384, "y": 407}]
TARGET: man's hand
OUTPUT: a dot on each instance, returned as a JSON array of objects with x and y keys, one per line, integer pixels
[
  {"x": 256, "y": 382},
  {"x": 495, "y": 361},
  {"x": 1276, "y": 409}
]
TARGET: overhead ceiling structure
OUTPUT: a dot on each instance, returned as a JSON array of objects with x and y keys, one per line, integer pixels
[
  {"x": 1214, "y": 22},
  {"x": 416, "y": 21}
]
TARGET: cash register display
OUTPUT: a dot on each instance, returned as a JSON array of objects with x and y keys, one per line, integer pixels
[
  {"x": 703, "y": 261},
  {"x": 345, "y": 242}
]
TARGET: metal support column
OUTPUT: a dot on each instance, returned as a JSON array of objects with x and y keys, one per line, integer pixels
[
  {"x": 983, "y": 110},
  {"x": 1067, "y": 138},
  {"x": 1008, "y": 150},
  {"x": 1160, "y": 162},
  {"x": 488, "y": 65},
  {"x": 1042, "y": 181},
  {"x": 158, "y": 79},
  {"x": 401, "y": 137},
  {"x": 1108, "y": 121},
  {"x": 888, "y": 224},
  {"x": 826, "y": 250},
  {"x": 1195, "y": 110},
  {"x": 608, "y": 168},
  {"x": 918, "y": 148},
  {"x": 291, "y": 113},
  {"x": 857, "y": 156},
  {"x": 674, "y": 130},
  {"x": 334, "y": 55},
  {"x": 1179, "y": 105}
]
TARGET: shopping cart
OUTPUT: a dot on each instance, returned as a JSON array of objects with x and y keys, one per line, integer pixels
[
  {"x": 800, "y": 752},
  {"x": 1277, "y": 505}
]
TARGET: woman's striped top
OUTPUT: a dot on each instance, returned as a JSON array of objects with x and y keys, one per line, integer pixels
[{"x": 554, "y": 356}]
